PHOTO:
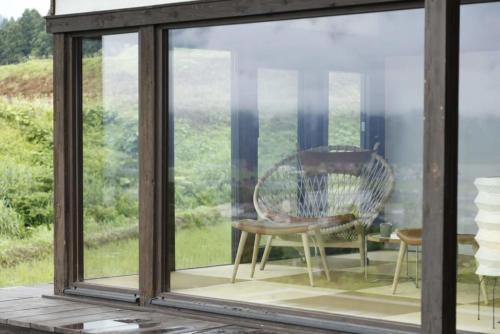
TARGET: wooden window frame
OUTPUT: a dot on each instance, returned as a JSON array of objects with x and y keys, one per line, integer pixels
[
  {"x": 68, "y": 145},
  {"x": 156, "y": 240}
]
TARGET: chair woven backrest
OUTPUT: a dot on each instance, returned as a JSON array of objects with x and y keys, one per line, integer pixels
[{"x": 320, "y": 184}]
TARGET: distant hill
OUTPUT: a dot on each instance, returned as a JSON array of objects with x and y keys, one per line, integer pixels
[{"x": 31, "y": 79}]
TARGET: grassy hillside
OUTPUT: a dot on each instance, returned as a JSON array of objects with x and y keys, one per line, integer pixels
[
  {"x": 25, "y": 165},
  {"x": 30, "y": 80},
  {"x": 26, "y": 198}
]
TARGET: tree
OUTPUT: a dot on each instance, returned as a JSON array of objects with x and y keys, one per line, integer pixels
[
  {"x": 42, "y": 45},
  {"x": 24, "y": 38},
  {"x": 11, "y": 37}
]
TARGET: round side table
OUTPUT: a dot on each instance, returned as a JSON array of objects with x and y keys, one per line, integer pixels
[{"x": 394, "y": 240}]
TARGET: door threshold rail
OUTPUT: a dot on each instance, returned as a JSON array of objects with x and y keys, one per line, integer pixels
[{"x": 97, "y": 293}]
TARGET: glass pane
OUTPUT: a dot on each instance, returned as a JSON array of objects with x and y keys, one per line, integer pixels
[
  {"x": 281, "y": 129},
  {"x": 110, "y": 159},
  {"x": 277, "y": 104},
  {"x": 345, "y": 109},
  {"x": 202, "y": 155},
  {"x": 479, "y": 167}
]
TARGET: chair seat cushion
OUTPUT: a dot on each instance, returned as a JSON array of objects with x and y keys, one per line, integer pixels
[{"x": 268, "y": 227}]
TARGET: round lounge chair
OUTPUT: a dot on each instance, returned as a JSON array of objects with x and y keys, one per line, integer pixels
[{"x": 328, "y": 195}]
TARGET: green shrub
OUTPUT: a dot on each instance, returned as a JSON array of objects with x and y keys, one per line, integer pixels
[
  {"x": 32, "y": 118},
  {"x": 197, "y": 217},
  {"x": 11, "y": 223},
  {"x": 27, "y": 190}
]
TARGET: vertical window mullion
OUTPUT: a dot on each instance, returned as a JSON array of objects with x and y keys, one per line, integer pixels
[
  {"x": 147, "y": 164},
  {"x": 440, "y": 166},
  {"x": 67, "y": 252}
]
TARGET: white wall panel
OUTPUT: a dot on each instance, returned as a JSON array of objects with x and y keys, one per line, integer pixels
[{"x": 79, "y": 6}]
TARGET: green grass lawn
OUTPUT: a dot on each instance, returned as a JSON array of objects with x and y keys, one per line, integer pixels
[{"x": 195, "y": 247}]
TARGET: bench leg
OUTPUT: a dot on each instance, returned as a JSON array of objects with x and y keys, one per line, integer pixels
[
  {"x": 307, "y": 253},
  {"x": 399, "y": 265},
  {"x": 322, "y": 252},
  {"x": 255, "y": 253},
  {"x": 239, "y": 254},
  {"x": 267, "y": 250}
]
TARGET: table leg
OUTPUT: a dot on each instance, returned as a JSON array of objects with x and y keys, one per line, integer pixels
[
  {"x": 416, "y": 266},
  {"x": 407, "y": 265},
  {"x": 397, "y": 273},
  {"x": 366, "y": 257}
]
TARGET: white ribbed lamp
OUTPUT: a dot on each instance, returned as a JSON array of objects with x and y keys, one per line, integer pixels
[{"x": 488, "y": 221}]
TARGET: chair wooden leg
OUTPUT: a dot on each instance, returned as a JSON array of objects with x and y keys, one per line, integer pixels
[
  {"x": 267, "y": 250},
  {"x": 321, "y": 246},
  {"x": 255, "y": 253},
  {"x": 399, "y": 265},
  {"x": 239, "y": 254},
  {"x": 475, "y": 248},
  {"x": 307, "y": 253},
  {"x": 362, "y": 248}
]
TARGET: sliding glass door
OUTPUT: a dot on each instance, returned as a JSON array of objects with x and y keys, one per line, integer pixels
[{"x": 295, "y": 144}]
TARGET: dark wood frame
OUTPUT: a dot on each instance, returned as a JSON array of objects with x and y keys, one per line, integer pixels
[
  {"x": 442, "y": 36},
  {"x": 64, "y": 169},
  {"x": 208, "y": 11},
  {"x": 68, "y": 164},
  {"x": 157, "y": 239}
]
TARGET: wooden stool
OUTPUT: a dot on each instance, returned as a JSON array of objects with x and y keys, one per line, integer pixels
[{"x": 413, "y": 237}]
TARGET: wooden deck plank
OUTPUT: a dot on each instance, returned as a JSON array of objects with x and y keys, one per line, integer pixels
[
  {"x": 32, "y": 321},
  {"x": 180, "y": 324},
  {"x": 26, "y": 291},
  {"x": 5, "y": 297},
  {"x": 58, "y": 325},
  {"x": 11, "y": 298},
  {"x": 28, "y": 303},
  {"x": 173, "y": 327},
  {"x": 6, "y": 329},
  {"x": 6, "y": 317},
  {"x": 236, "y": 330},
  {"x": 155, "y": 320},
  {"x": 62, "y": 325}
]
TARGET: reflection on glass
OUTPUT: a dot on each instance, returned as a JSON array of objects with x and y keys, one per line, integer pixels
[
  {"x": 479, "y": 167},
  {"x": 110, "y": 158},
  {"x": 345, "y": 109},
  {"x": 321, "y": 120}
]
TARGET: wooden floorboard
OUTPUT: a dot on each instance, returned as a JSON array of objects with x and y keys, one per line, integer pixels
[
  {"x": 24, "y": 310},
  {"x": 66, "y": 324},
  {"x": 76, "y": 313},
  {"x": 44, "y": 311},
  {"x": 27, "y": 303}
]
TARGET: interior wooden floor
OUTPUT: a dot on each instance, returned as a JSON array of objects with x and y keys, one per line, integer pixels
[{"x": 285, "y": 283}]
